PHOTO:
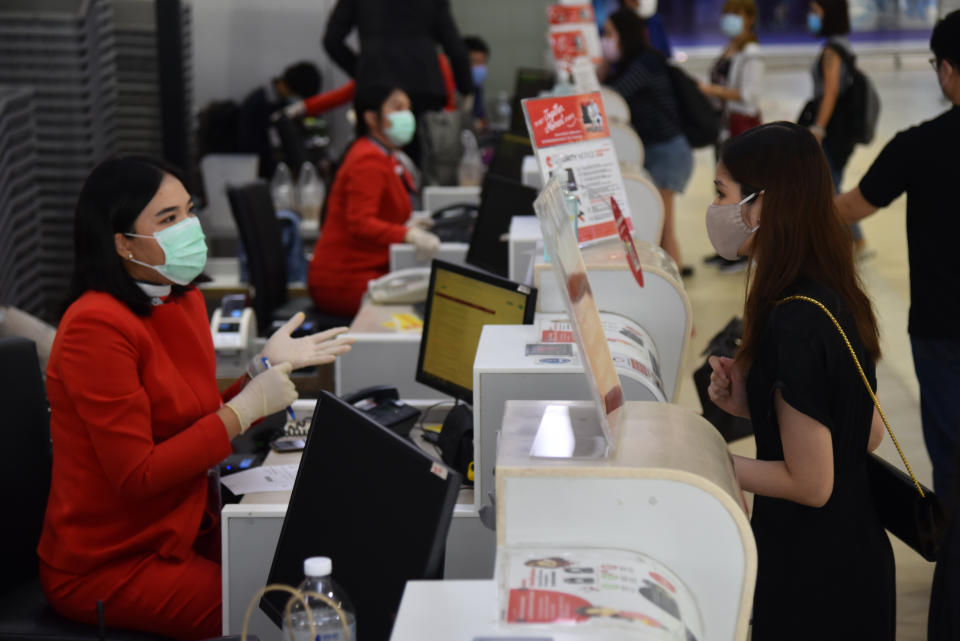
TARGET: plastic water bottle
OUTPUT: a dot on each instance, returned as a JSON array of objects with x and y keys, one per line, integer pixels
[
  {"x": 310, "y": 192},
  {"x": 326, "y": 622},
  {"x": 470, "y": 169},
  {"x": 281, "y": 188},
  {"x": 503, "y": 112}
]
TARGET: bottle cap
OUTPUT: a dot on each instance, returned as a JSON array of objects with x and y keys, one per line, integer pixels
[{"x": 317, "y": 566}]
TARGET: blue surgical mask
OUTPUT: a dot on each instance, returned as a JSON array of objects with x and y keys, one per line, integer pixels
[
  {"x": 402, "y": 127},
  {"x": 814, "y": 23},
  {"x": 184, "y": 250},
  {"x": 731, "y": 24},
  {"x": 479, "y": 73}
]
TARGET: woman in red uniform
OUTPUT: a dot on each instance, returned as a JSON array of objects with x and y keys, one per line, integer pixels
[
  {"x": 136, "y": 417},
  {"x": 369, "y": 206}
]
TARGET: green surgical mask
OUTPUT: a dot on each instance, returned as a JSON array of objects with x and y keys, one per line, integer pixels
[
  {"x": 184, "y": 250},
  {"x": 401, "y": 129}
]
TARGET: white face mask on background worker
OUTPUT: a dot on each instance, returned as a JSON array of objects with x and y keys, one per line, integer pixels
[{"x": 646, "y": 8}]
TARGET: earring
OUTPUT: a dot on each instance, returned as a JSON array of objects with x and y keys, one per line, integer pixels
[{"x": 130, "y": 256}]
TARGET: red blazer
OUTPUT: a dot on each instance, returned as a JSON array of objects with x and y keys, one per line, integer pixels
[
  {"x": 367, "y": 208},
  {"x": 132, "y": 420}
]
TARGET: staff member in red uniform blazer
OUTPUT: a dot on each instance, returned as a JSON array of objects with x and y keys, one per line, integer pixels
[
  {"x": 368, "y": 207},
  {"x": 136, "y": 417}
]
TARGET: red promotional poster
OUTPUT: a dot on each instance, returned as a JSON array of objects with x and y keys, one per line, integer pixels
[
  {"x": 623, "y": 228},
  {"x": 563, "y": 120},
  {"x": 569, "y": 13},
  {"x": 545, "y": 606},
  {"x": 568, "y": 45},
  {"x": 621, "y": 591}
]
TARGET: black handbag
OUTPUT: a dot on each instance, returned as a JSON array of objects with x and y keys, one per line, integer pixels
[
  {"x": 725, "y": 343},
  {"x": 907, "y": 509}
]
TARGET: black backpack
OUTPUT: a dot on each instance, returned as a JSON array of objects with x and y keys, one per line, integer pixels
[
  {"x": 858, "y": 105},
  {"x": 699, "y": 120}
]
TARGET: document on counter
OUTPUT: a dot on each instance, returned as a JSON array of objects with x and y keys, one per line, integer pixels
[{"x": 266, "y": 478}]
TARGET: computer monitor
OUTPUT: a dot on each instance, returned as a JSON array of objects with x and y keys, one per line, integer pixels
[
  {"x": 500, "y": 200},
  {"x": 460, "y": 301},
  {"x": 374, "y": 503},
  {"x": 508, "y": 155},
  {"x": 530, "y": 83}
]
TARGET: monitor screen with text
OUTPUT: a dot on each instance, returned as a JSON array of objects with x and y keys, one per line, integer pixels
[{"x": 460, "y": 302}]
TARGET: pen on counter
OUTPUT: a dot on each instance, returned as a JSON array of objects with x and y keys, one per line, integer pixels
[{"x": 266, "y": 363}]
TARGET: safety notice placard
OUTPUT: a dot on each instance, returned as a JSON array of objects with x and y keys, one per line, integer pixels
[{"x": 572, "y": 139}]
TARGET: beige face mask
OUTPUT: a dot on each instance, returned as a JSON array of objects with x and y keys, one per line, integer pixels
[{"x": 727, "y": 229}]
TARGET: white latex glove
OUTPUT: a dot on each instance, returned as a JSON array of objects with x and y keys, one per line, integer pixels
[
  {"x": 292, "y": 111},
  {"x": 420, "y": 220},
  {"x": 265, "y": 394},
  {"x": 425, "y": 243},
  {"x": 295, "y": 109},
  {"x": 316, "y": 349}
]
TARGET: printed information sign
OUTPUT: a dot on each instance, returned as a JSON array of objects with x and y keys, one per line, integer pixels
[
  {"x": 612, "y": 588},
  {"x": 572, "y": 140}
]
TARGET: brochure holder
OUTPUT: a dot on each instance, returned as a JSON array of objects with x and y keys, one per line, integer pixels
[
  {"x": 655, "y": 534},
  {"x": 563, "y": 434}
]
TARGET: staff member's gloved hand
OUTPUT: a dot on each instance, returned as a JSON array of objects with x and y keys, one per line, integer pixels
[
  {"x": 265, "y": 394},
  {"x": 315, "y": 349},
  {"x": 420, "y": 221},
  {"x": 291, "y": 111},
  {"x": 425, "y": 243}
]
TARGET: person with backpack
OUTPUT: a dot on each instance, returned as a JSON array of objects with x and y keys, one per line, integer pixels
[
  {"x": 639, "y": 73},
  {"x": 832, "y": 75}
]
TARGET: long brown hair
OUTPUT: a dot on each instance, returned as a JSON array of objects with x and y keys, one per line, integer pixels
[{"x": 800, "y": 233}]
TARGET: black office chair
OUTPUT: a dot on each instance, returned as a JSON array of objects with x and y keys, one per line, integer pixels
[
  {"x": 259, "y": 228},
  {"x": 25, "y": 477}
]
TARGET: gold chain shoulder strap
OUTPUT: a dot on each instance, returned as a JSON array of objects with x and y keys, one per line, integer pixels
[{"x": 862, "y": 376}]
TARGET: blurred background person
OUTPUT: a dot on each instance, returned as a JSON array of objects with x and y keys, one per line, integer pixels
[
  {"x": 638, "y": 73},
  {"x": 479, "y": 54},
  {"x": 298, "y": 81},
  {"x": 923, "y": 162},
  {"x": 830, "y": 19},
  {"x": 736, "y": 85},
  {"x": 656, "y": 33},
  {"x": 398, "y": 48},
  {"x": 368, "y": 207}
]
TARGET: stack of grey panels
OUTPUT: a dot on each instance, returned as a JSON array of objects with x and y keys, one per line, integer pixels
[
  {"x": 186, "y": 38},
  {"x": 139, "y": 128},
  {"x": 65, "y": 51},
  {"x": 19, "y": 224}
]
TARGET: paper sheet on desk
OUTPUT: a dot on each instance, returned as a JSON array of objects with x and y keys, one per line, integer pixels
[{"x": 266, "y": 478}]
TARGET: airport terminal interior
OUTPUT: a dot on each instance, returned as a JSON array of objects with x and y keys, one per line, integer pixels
[{"x": 644, "y": 485}]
